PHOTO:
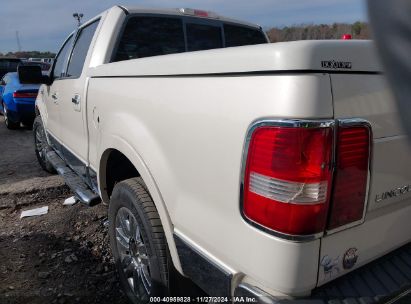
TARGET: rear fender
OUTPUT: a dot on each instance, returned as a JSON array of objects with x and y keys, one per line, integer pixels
[{"x": 122, "y": 146}]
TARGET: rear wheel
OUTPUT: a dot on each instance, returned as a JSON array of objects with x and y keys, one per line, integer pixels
[
  {"x": 9, "y": 123},
  {"x": 137, "y": 241},
  {"x": 41, "y": 146}
]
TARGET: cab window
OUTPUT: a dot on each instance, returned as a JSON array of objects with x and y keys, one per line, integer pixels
[
  {"x": 203, "y": 37},
  {"x": 150, "y": 36},
  {"x": 240, "y": 35},
  {"x": 62, "y": 58},
  {"x": 80, "y": 50},
  {"x": 146, "y": 36}
]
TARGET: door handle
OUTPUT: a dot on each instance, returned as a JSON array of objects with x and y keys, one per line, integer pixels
[{"x": 76, "y": 99}]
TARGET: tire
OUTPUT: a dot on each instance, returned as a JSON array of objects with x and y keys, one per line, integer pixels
[
  {"x": 138, "y": 242},
  {"x": 28, "y": 124},
  {"x": 41, "y": 146},
  {"x": 9, "y": 124}
]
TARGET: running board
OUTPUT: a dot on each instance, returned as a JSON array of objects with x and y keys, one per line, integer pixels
[{"x": 81, "y": 190}]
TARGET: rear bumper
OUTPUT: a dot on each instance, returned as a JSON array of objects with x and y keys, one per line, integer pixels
[
  {"x": 24, "y": 112},
  {"x": 386, "y": 278}
]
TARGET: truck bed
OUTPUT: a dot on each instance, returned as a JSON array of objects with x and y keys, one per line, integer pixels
[{"x": 373, "y": 283}]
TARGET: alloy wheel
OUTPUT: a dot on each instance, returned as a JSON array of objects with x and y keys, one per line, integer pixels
[
  {"x": 41, "y": 142},
  {"x": 132, "y": 251},
  {"x": 6, "y": 120}
]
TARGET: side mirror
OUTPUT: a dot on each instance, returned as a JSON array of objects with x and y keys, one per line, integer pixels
[{"x": 31, "y": 74}]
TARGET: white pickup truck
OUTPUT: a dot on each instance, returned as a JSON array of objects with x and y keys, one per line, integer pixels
[{"x": 271, "y": 173}]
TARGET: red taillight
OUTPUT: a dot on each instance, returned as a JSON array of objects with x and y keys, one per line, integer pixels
[
  {"x": 289, "y": 174},
  {"x": 288, "y": 177},
  {"x": 18, "y": 94},
  {"x": 351, "y": 176}
]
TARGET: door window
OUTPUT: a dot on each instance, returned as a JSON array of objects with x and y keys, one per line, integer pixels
[
  {"x": 80, "y": 50},
  {"x": 61, "y": 58}
]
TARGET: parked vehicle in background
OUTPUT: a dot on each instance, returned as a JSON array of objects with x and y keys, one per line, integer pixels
[
  {"x": 8, "y": 65},
  {"x": 47, "y": 60},
  {"x": 272, "y": 171},
  {"x": 45, "y": 66},
  {"x": 17, "y": 101}
]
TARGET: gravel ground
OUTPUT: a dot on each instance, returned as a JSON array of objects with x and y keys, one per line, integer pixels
[{"x": 60, "y": 257}]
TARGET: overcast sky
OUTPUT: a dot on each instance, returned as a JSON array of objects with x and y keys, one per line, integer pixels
[{"x": 43, "y": 24}]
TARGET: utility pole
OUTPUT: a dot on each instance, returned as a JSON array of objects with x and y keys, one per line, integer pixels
[
  {"x": 78, "y": 17},
  {"x": 18, "y": 41}
]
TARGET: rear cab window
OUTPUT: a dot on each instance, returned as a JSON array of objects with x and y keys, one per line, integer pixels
[
  {"x": 203, "y": 37},
  {"x": 150, "y": 36},
  {"x": 155, "y": 35},
  {"x": 240, "y": 35}
]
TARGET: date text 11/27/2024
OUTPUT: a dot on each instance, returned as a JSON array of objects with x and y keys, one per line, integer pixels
[{"x": 202, "y": 300}]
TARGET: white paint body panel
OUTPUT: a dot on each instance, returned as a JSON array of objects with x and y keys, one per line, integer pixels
[
  {"x": 285, "y": 56},
  {"x": 190, "y": 134}
]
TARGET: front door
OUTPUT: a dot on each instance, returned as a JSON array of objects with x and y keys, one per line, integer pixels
[
  {"x": 50, "y": 95},
  {"x": 72, "y": 97}
]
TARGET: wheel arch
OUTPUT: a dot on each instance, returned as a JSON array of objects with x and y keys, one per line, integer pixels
[{"x": 132, "y": 158}]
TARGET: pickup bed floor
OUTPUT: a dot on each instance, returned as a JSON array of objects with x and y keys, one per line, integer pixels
[{"x": 376, "y": 282}]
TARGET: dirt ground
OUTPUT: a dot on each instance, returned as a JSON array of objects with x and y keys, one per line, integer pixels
[{"x": 60, "y": 257}]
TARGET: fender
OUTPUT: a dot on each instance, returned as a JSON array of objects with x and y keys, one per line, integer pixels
[
  {"x": 121, "y": 145},
  {"x": 40, "y": 104}
]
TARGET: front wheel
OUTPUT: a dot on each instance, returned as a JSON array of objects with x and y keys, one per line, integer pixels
[
  {"x": 138, "y": 242},
  {"x": 9, "y": 123},
  {"x": 41, "y": 145}
]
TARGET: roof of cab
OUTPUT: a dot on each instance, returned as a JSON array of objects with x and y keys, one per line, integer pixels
[{"x": 178, "y": 12}]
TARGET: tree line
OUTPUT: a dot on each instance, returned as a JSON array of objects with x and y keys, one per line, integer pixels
[{"x": 358, "y": 30}]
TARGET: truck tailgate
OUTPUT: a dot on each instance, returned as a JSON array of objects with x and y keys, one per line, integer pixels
[{"x": 387, "y": 224}]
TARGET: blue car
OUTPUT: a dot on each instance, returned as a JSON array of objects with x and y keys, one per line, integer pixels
[{"x": 17, "y": 101}]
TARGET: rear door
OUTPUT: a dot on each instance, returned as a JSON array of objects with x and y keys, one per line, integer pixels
[{"x": 387, "y": 223}]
